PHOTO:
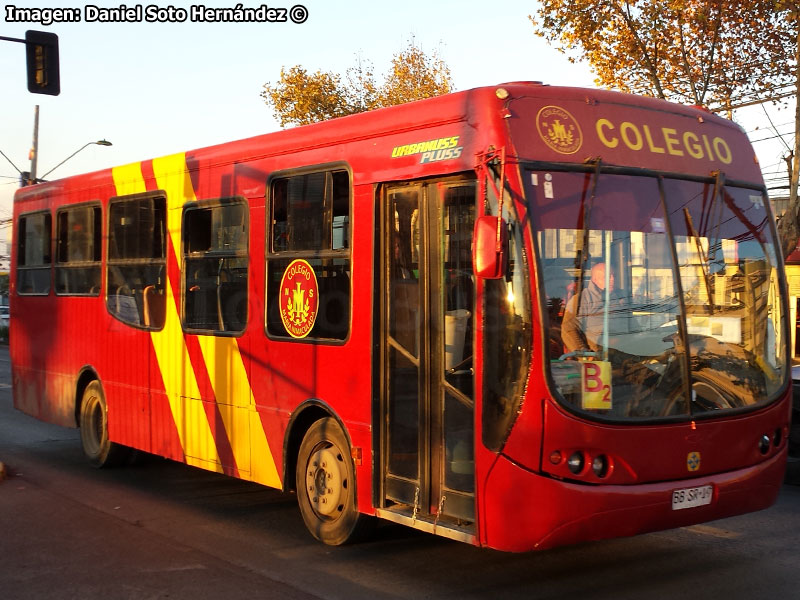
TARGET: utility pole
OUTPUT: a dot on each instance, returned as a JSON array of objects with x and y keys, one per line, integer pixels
[
  {"x": 789, "y": 223},
  {"x": 795, "y": 174},
  {"x": 34, "y": 154}
]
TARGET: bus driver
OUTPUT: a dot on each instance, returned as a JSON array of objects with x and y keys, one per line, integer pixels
[{"x": 583, "y": 331}]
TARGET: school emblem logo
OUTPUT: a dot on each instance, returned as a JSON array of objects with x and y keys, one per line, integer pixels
[
  {"x": 693, "y": 461},
  {"x": 559, "y": 130},
  {"x": 299, "y": 297}
]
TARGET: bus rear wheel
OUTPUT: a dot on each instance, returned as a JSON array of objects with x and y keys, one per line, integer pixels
[
  {"x": 100, "y": 451},
  {"x": 325, "y": 481}
]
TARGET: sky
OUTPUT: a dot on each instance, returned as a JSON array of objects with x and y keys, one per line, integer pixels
[{"x": 156, "y": 88}]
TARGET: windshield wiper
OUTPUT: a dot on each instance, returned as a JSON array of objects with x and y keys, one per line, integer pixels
[
  {"x": 710, "y": 225},
  {"x": 702, "y": 257},
  {"x": 583, "y": 251}
]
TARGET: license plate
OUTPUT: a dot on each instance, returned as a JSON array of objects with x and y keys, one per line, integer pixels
[{"x": 691, "y": 497}]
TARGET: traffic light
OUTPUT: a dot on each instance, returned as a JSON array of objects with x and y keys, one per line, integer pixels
[{"x": 42, "y": 58}]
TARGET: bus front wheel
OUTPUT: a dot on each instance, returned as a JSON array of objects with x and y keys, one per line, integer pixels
[
  {"x": 325, "y": 481},
  {"x": 100, "y": 451}
]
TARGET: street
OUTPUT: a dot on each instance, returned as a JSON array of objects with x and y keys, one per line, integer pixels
[{"x": 158, "y": 529}]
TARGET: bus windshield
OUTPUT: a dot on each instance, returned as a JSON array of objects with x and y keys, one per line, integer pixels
[{"x": 661, "y": 293}]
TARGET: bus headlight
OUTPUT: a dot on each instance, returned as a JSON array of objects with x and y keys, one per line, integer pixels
[
  {"x": 600, "y": 466},
  {"x": 777, "y": 437},
  {"x": 575, "y": 462}
]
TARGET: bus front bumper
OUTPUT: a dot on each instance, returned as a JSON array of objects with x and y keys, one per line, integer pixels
[{"x": 525, "y": 511}]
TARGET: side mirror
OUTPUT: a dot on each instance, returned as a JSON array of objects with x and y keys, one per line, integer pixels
[{"x": 489, "y": 247}]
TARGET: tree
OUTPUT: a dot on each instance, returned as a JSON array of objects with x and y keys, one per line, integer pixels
[
  {"x": 299, "y": 98},
  {"x": 413, "y": 76},
  {"x": 718, "y": 53},
  {"x": 710, "y": 52}
]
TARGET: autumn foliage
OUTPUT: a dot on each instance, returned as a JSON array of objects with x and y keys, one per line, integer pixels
[
  {"x": 718, "y": 53},
  {"x": 722, "y": 54},
  {"x": 300, "y": 97}
]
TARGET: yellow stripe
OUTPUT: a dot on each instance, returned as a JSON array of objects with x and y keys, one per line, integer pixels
[
  {"x": 128, "y": 179},
  {"x": 173, "y": 178},
  {"x": 237, "y": 407},
  {"x": 172, "y": 354},
  {"x": 223, "y": 360}
]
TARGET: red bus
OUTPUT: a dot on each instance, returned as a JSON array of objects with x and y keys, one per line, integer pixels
[{"x": 518, "y": 316}]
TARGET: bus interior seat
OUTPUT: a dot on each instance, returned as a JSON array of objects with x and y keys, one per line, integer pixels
[
  {"x": 125, "y": 305},
  {"x": 155, "y": 306}
]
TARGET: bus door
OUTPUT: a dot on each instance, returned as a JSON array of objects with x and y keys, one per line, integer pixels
[{"x": 427, "y": 350}]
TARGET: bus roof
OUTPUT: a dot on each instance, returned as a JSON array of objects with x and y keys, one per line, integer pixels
[{"x": 551, "y": 124}]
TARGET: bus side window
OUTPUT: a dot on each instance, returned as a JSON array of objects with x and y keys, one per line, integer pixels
[
  {"x": 78, "y": 247},
  {"x": 136, "y": 269},
  {"x": 215, "y": 265},
  {"x": 310, "y": 221},
  {"x": 34, "y": 254}
]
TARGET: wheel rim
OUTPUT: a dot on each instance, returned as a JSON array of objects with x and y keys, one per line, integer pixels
[
  {"x": 97, "y": 422},
  {"x": 93, "y": 426},
  {"x": 326, "y": 481}
]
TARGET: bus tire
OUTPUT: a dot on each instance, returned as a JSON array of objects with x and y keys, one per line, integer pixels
[
  {"x": 100, "y": 451},
  {"x": 325, "y": 480}
]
